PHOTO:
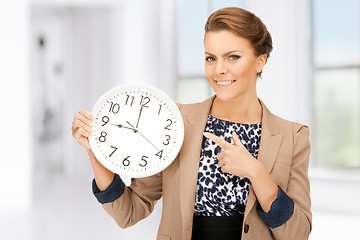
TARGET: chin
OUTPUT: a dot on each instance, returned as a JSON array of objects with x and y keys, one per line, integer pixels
[{"x": 226, "y": 96}]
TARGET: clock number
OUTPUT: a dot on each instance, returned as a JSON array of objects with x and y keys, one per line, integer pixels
[
  {"x": 167, "y": 127},
  {"x": 143, "y": 159},
  {"x": 126, "y": 161},
  {"x": 105, "y": 119},
  {"x": 160, "y": 106},
  {"x": 102, "y": 137},
  {"x": 167, "y": 140},
  {"x": 115, "y": 107},
  {"x": 113, "y": 151},
  {"x": 144, "y": 101},
  {"x": 159, "y": 154},
  {"x": 127, "y": 99}
]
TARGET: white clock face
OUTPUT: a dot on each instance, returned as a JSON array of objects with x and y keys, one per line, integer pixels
[{"x": 138, "y": 130}]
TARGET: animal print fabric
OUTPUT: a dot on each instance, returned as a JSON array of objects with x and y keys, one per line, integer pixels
[{"x": 218, "y": 193}]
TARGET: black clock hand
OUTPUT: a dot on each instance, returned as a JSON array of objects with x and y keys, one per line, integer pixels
[
  {"x": 137, "y": 124},
  {"x": 143, "y": 136},
  {"x": 121, "y": 126},
  {"x": 132, "y": 126}
]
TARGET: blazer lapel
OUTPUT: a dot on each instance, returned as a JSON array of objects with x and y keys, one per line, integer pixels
[
  {"x": 270, "y": 141},
  {"x": 194, "y": 124}
]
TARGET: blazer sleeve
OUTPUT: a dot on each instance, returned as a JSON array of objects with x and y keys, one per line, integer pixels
[
  {"x": 299, "y": 225},
  {"x": 137, "y": 201}
]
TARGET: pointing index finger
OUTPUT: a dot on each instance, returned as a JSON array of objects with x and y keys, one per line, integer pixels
[{"x": 219, "y": 141}]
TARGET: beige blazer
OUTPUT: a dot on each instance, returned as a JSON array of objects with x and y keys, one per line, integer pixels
[{"x": 284, "y": 150}]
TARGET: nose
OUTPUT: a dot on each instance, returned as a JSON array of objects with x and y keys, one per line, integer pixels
[{"x": 221, "y": 67}]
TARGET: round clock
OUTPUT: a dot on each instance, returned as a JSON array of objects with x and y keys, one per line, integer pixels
[{"x": 138, "y": 130}]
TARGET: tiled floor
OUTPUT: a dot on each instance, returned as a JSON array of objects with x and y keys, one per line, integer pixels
[{"x": 66, "y": 209}]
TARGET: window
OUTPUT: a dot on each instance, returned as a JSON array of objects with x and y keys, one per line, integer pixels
[{"x": 336, "y": 83}]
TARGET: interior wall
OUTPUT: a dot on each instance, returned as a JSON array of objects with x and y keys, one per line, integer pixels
[
  {"x": 92, "y": 71},
  {"x": 15, "y": 141},
  {"x": 71, "y": 68}
]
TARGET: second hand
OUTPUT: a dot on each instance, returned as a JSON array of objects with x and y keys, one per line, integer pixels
[{"x": 135, "y": 130}]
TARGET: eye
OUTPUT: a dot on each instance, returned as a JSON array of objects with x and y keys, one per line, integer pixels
[
  {"x": 209, "y": 59},
  {"x": 234, "y": 57}
]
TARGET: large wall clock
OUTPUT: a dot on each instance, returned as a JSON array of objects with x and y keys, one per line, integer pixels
[{"x": 138, "y": 130}]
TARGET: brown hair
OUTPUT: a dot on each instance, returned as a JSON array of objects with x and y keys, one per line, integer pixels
[{"x": 243, "y": 23}]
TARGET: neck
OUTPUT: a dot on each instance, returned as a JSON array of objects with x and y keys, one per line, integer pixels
[{"x": 241, "y": 109}]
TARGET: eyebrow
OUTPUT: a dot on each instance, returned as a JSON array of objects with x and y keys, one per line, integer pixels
[{"x": 225, "y": 53}]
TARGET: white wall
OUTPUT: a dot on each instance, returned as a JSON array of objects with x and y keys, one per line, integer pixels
[
  {"x": 15, "y": 145},
  {"x": 148, "y": 51},
  {"x": 75, "y": 3}
]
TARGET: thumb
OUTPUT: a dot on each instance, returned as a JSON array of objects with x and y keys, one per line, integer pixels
[{"x": 236, "y": 139}]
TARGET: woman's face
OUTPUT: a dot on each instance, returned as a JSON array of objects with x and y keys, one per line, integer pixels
[{"x": 230, "y": 64}]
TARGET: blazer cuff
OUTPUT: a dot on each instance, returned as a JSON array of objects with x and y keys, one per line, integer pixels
[
  {"x": 281, "y": 210},
  {"x": 110, "y": 194}
]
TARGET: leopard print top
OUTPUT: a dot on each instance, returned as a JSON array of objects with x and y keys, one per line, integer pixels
[{"x": 218, "y": 193}]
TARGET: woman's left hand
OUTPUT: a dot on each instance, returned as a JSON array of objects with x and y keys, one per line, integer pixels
[{"x": 234, "y": 159}]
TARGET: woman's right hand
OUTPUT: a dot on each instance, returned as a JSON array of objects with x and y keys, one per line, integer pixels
[{"x": 82, "y": 128}]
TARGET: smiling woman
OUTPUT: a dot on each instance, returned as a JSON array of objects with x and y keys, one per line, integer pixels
[
  {"x": 241, "y": 173},
  {"x": 237, "y": 46}
]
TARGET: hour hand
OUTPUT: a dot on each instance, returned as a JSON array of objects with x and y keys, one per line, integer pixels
[{"x": 121, "y": 126}]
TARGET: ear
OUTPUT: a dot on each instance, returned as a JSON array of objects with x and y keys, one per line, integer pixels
[{"x": 261, "y": 61}]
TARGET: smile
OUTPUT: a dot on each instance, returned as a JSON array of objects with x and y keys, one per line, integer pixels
[{"x": 224, "y": 83}]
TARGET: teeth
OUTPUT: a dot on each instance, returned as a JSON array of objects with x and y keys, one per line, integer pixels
[{"x": 224, "y": 83}]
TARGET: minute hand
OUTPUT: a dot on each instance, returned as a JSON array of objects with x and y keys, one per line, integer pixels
[{"x": 137, "y": 124}]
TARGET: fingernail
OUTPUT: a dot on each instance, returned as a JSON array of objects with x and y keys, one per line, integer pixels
[{"x": 206, "y": 134}]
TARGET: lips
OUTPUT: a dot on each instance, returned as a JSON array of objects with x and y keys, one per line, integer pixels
[{"x": 224, "y": 83}]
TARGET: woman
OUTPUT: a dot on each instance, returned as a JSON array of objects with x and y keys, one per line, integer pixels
[{"x": 225, "y": 183}]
